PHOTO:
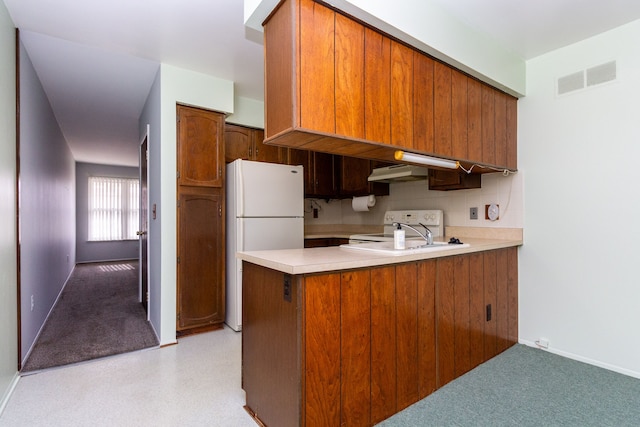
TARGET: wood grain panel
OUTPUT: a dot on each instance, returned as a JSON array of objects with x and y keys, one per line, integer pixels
[
  {"x": 501, "y": 128},
  {"x": 512, "y": 277},
  {"x": 458, "y": 115},
  {"x": 383, "y": 344},
  {"x": 445, "y": 321},
  {"x": 512, "y": 132},
  {"x": 490, "y": 292},
  {"x": 407, "y": 330},
  {"x": 401, "y": 95},
  {"x": 280, "y": 83},
  {"x": 442, "y": 108},
  {"x": 423, "y": 133},
  {"x": 200, "y": 290},
  {"x": 237, "y": 142},
  {"x": 349, "y": 72},
  {"x": 355, "y": 355},
  {"x": 474, "y": 120},
  {"x": 462, "y": 349},
  {"x": 488, "y": 125},
  {"x": 377, "y": 87},
  {"x": 502, "y": 301},
  {"x": 317, "y": 67},
  {"x": 270, "y": 349},
  {"x": 427, "y": 327},
  {"x": 322, "y": 350},
  {"x": 476, "y": 309},
  {"x": 200, "y": 147}
]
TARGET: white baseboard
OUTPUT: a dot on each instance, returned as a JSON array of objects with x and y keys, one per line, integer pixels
[
  {"x": 9, "y": 392},
  {"x": 583, "y": 359}
]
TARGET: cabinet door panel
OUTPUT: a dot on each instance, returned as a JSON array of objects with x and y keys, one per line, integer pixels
[
  {"x": 263, "y": 152},
  {"x": 502, "y": 301},
  {"x": 237, "y": 143},
  {"x": 349, "y": 77},
  {"x": 324, "y": 175},
  {"x": 446, "y": 306},
  {"x": 474, "y": 120},
  {"x": 462, "y": 356},
  {"x": 423, "y": 132},
  {"x": 512, "y": 277},
  {"x": 383, "y": 344},
  {"x": 442, "y": 109},
  {"x": 199, "y": 147},
  {"x": 476, "y": 309},
  {"x": 322, "y": 350},
  {"x": 317, "y": 84},
  {"x": 500, "y": 105},
  {"x": 512, "y": 133},
  {"x": 490, "y": 289},
  {"x": 458, "y": 115},
  {"x": 407, "y": 330},
  {"x": 200, "y": 250},
  {"x": 377, "y": 87},
  {"x": 427, "y": 327},
  {"x": 488, "y": 125},
  {"x": 355, "y": 348},
  {"x": 401, "y": 95}
]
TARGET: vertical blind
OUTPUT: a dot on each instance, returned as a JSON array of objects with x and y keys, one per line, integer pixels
[{"x": 113, "y": 208}]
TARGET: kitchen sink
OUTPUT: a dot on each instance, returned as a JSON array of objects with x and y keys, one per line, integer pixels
[{"x": 411, "y": 247}]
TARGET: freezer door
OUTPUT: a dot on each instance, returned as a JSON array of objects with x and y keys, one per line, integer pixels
[
  {"x": 255, "y": 234},
  {"x": 268, "y": 189}
]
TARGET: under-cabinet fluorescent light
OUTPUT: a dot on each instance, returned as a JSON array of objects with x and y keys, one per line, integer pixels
[{"x": 426, "y": 160}]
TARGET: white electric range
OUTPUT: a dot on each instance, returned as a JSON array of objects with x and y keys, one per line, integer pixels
[{"x": 434, "y": 219}]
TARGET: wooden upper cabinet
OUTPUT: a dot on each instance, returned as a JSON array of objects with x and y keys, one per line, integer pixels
[
  {"x": 349, "y": 77},
  {"x": 442, "y": 109},
  {"x": 317, "y": 82},
  {"x": 335, "y": 85},
  {"x": 423, "y": 128},
  {"x": 353, "y": 178},
  {"x": 246, "y": 143},
  {"x": 401, "y": 96},
  {"x": 377, "y": 87},
  {"x": 200, "y": 151}
]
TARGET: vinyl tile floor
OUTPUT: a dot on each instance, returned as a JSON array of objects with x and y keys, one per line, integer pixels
[{"x": 193, "y": 383}]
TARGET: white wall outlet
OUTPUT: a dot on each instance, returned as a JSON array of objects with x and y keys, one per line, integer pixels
[
  {"x": 543, "y": 343},
  {"x": 33, "y": 303}
]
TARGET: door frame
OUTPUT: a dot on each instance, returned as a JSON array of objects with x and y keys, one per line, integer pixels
[{"x": 143, "y": 228}]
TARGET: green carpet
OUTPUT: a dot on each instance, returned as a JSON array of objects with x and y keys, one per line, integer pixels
[{"x": 529, "y": 387}]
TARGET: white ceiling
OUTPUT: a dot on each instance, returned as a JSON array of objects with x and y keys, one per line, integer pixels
[{"x": 97, "y": 59}]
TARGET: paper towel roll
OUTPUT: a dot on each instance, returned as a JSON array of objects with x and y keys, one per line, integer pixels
[{"x": 362, "y": 204}]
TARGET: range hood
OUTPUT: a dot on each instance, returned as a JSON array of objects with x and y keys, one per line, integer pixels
[{"x": 396, "y": 173}]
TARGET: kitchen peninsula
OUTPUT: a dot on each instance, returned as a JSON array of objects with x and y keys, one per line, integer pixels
[{"x": 335, "y": 336}]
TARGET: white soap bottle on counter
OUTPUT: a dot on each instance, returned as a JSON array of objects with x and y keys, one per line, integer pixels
[{"x": 398, "y": 238}]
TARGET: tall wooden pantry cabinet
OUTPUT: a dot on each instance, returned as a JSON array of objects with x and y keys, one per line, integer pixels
[{"x": 200, "y": 205}]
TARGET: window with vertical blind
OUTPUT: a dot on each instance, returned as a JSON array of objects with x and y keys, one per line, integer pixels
[{"x": 113, "y": 208}]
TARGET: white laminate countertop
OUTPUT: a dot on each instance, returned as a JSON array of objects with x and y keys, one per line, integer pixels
[{"x": 335, "y": 258}]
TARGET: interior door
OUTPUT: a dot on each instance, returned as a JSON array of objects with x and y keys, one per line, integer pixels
[{"x": 144, "y": 224}]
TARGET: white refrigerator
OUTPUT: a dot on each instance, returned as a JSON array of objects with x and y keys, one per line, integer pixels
[{"x": 265, "y": 210}]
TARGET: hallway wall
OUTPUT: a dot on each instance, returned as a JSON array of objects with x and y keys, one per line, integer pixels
[
  {"x": 8, "y": 247},
  {"x": 99, "y": 251},
  {"x": 47, "y": 206}
]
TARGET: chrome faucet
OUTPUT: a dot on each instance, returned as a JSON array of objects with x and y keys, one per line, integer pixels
[{"x": 427, "y": 235}]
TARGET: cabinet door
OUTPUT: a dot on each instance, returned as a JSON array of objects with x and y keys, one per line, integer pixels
[
  {"x": 377, "y": 86},
  {"x": 401, "y": 95},
  {"x": 324, "y": 182},
  {"x": 237, "y": 143},
  {"x": 200, "y": 136},
  {"x": 349, "y": 77},
  {"x": 263, "y": 152},
  {"x": 488, "y": 125},
  {"x": 474, "y": 120},
  {"x": 442, "y": 109},
  {"x": 422, "y": 102},
  {"x": 458, "y": 115},
  {"x": 200, "y": 291},
  {"x": 317, "y": 83},
  {"x": 407, "y": 334}
]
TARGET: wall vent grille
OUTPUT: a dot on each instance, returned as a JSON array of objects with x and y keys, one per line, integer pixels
[{"x": 583, "y": 79}]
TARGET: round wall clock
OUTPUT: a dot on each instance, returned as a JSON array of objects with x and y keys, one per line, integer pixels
[{"x": 493, "y": 212}]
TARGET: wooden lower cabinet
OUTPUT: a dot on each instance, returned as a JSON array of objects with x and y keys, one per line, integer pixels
[{"x": 355, "y": 347}]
